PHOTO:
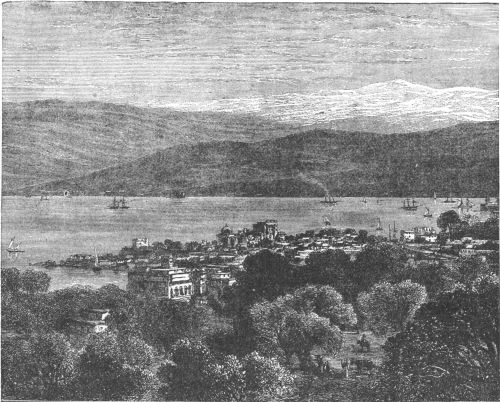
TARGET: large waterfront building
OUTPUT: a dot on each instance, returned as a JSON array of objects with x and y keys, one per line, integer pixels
[{"x": 267, "y": 229}]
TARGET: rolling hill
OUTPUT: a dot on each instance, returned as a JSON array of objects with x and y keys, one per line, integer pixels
[
  {"x": 48, "y": 140},
  {"x": 462, "y": 159}
]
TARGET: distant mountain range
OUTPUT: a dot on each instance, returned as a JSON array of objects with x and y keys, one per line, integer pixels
[
  {"x": 462, "y": 159},
  {"x": 388, "y": 107},
  {"x": 46, "y": 141}
]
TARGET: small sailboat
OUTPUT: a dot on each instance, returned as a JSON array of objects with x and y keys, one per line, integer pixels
[
  {"x": 326, "y": 221},
  {"x": 468, "y": 203},
  {"x": 96, "y": 262},
  {"x": 14, "y": 248},
  {"x": 115, "y": 204},
  {"x": 44, "y": 196},
  {"x": 379, "y": 225},
  {"x": 427, "y": 213},
  {"x": 364, "y": 200}
]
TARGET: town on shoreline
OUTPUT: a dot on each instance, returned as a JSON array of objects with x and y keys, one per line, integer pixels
[{"x": 171, "y": 269}]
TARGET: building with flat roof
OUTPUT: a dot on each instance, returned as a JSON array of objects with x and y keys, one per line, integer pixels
[{"x": 169, "y": 283}]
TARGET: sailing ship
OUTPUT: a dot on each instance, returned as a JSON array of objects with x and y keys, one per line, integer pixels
[
  {"x": 379, "y": 225},
  {"x": 326, "y": 221},
  {"x": 427, "y": 213},
  {"x": 118, "y": 204},
  {"x": 328, "y": 199},
  {"x": 14, "y": 248},
  {"x": 123, "y": 203},
  {"x": 449, "y": 200},
  {"x": 410, "y": 207},
  {"x": 178, "y": 194},
  {"x": 115, "y": 204},
  {"x": 489, "y": 205}
]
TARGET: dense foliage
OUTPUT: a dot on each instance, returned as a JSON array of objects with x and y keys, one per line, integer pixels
[
  {"x": 250, "y": 337},
  {"x": 450, "y": 350}
]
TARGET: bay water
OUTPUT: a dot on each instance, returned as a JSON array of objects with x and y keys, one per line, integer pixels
[{"x": 55, "y": 228}]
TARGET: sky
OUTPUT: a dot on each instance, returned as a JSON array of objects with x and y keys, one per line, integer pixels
[{"x": 164, "y": 53}]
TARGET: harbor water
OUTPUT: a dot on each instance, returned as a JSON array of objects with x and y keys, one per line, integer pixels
[{"x": 55, "y": 228}]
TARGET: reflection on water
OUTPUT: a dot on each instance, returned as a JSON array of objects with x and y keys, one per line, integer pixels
[{"x": 58, "y": 227}]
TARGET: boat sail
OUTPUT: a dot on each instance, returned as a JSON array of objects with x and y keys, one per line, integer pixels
[
  {"x": 14, "y": 248},
  {"x": 326, "y": 221},
  {"x": 96, "y": 262},
  {"x": 427, "y": 213},
  {"x": 379, "y": 225}
]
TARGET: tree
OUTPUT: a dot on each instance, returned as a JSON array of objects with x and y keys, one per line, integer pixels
[
  {"x": 39, "y": 368},
  {"x": 196, "y": 374},
  {"x": 389, "y": 307},
  {"x": 280, "y": 331},
  {"x": 436, "y": 277},
  {"x": 328, "y": 268},
  {"x": 325, "y": 301},
  {"x": 35, "y": 281},
  {"x": 267, "y": 275},
  {"x": 375, "y": 263},
  {"x": 11, "y": 280},
  {"x": 111, "y": 368},
  {"x": 467, "y": 270},
  {"x": 449, "y": 351},
  {"x": 447, "y": 219},
  {"x": 265, "y": 378},
  {"x": 163, "y": 322}
]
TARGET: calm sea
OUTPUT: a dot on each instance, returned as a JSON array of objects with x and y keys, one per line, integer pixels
[{"x": 58, "y": 227}]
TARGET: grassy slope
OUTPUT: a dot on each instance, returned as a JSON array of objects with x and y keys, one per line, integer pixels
[
  {"x": 462, "y": 159},
  {"x": 50, "y": 140}
]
